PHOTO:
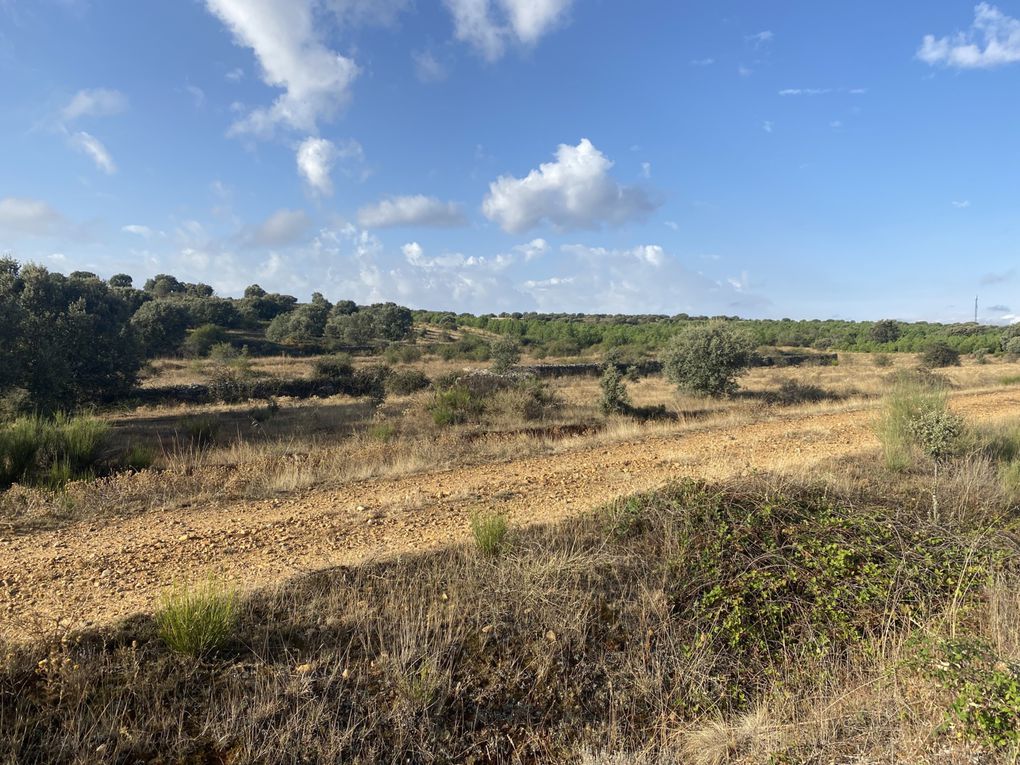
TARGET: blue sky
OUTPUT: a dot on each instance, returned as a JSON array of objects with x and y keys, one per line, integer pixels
[{"x": 800, "y": 159}]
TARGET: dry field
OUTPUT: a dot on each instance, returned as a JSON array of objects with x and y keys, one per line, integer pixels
[{"x": 326, "y": 482}]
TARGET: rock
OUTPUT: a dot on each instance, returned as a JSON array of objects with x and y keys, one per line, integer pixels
[
  {"x": 303, "y": 669},
  {"x": 550, "y": 636}
]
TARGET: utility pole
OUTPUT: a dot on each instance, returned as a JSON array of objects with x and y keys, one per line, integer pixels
[{"x": 975, "y": 309}]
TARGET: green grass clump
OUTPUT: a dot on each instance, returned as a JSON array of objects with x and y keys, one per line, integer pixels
[
  {"x": 489, "y": 531},
  {"x": 50, "y": 452},
  {"x": 198, "y": 619},
  {"x": 455, "y": 406},
  {"x": 911, "y": 399},
  {"x": 1010, "y": 380}
]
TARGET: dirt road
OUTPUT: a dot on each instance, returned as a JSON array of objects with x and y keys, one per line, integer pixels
[{"x": 90, "y": 573}]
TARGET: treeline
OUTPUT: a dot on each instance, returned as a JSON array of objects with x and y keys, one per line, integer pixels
[
  {"x": 66, "y": 341},
  {"x": 573, "y": 334}
]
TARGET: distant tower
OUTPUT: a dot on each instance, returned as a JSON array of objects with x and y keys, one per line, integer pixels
[{"x": 975, "y": 309}]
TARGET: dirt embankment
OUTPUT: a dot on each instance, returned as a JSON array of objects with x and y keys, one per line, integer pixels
[{"x": 90, "y": 573}]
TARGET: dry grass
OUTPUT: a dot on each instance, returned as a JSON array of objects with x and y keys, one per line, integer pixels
[{"x": 572, "y": 646}]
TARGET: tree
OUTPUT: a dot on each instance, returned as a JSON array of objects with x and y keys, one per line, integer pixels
[
  {"x": 162, "y": 285},
  {"x": 615, "y": 399},
  {"x": 885, "y": 331},
  {"x": 120, "y": 280},
  {"x": 65, "y": 341},
  {"x": 254, "y": 291},
  {"x": 1009, "y": 340},
  {"x": 505, "y": 354},
  {"x": 351, "y": 329},
  {"x": 161, "y": 326},
  {"x": 707, "y": 359}
]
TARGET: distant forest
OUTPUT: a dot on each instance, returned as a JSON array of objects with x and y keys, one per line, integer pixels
[{"x": 69, "y": 339}]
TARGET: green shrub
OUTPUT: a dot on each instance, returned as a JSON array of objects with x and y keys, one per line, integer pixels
[
  {"x": 936, "y": 432},
  {"x": 489, "y": 531},
  {"x": 940, "y": 355},
  {"x": 202, "y": 339},
  {"x": 505, "y": 353},
  {"x": 455, "y": 406},
  {"x": 1010, "y": 380},
  {"x": 881, "y": 360},
  {"x": 199, "y": 619},
  {"x": 615, "y": 399},
  {"x": 983, "y": 689},
  {"x": 336, "y": 368},
  {"x": 707, "y": 359},
  {"x": 404, "y": 382},
  {"x": 911, "y": 398}
]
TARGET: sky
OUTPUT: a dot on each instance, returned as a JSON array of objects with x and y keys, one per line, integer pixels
[{"x": 783, "y": 159}]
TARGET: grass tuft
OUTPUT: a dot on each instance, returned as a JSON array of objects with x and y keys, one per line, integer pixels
[
  {"x": 489, "y": 531},
  {"x": 197, "y": 619}
]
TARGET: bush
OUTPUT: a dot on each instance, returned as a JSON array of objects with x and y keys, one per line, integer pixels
[
  {"x": 489, "y": 532},
  {"x": 404, "y": 382},
  {"x": 201, "y": 340},
  {"x": 940, "y": 355},
  {"x": 936, "y": 432},
  {"x": 912, "y": 399},
  {"x": 337, "y": 368},
  {"x": 161, "y": 326},
  {"x": 881, "y": 360},
  {"x": 505, "y": 354},
  {"x": 707, "y": 359},
  {"x": 455, "y": 406},
  {"x": 197, "y": 620},
  {"x": 615, "y": 399},
  {"x": 792, "y": 393},
  {"x": 529, "y": 400}
]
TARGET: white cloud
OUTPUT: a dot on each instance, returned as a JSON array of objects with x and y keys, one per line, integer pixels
[
  {"x": 575, "y": 191},
  {"x": 316, "y": 157},
  {"x": 19, "y": 215},
  {"x": 993, "y": 40},
  {"x": 427, "y": 68},
  {"x": 197, "y": 95},
  {"x": 282, "y": 228},
  {"x": 379, "y": 12},
  {"x": 646, "y": 170},
  {"x": 98, "y": 102},
  {"x": 536, "y": 248},
  {"x": 143, "y": 231},
  {"x": 836, "y": 124},
  {"x": 235, "y": 75},
  {"x": 703, "y": 62},
  {"x": 760, "y": 38},
  {"x": 283, "y": 34},
  {"x": 418, "y": 210},
  {"x": 93, "y": 147},
  {"x": 489, "y": 25},
  {"x": 768, "y": 126},
  {"x": 804, "y": 91},
  {"x": 962, "y": 204},
  {"x": 672, "y": 225}
]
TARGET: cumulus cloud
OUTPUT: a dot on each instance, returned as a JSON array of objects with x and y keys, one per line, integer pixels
[
  {"x": 90, "y": 145},
  {"x": 98, "y": 102},
  {"x": 418, "y": 210},
  {"x": 282, "y": 228},
  {"x": 316, "y": 157},
  {"x": 575, "y": 191},
  {"x": 992, "y": 40},
  {"x": 19, "y": 215},
  {"x": 490, "y": 25},
  {"x": 315, "y": 80}
]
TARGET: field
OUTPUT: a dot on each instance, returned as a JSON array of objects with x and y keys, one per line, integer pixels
[{"x": 375, "y": 624}]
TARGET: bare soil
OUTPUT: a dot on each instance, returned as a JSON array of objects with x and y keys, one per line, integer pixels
[{"x": 93, "y": 573}]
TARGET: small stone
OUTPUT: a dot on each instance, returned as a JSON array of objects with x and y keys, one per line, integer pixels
[
  {"x": 486, "y": 629},
  {"x": 303, "y": 669},
  {"x": 550, "y": 636}
]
